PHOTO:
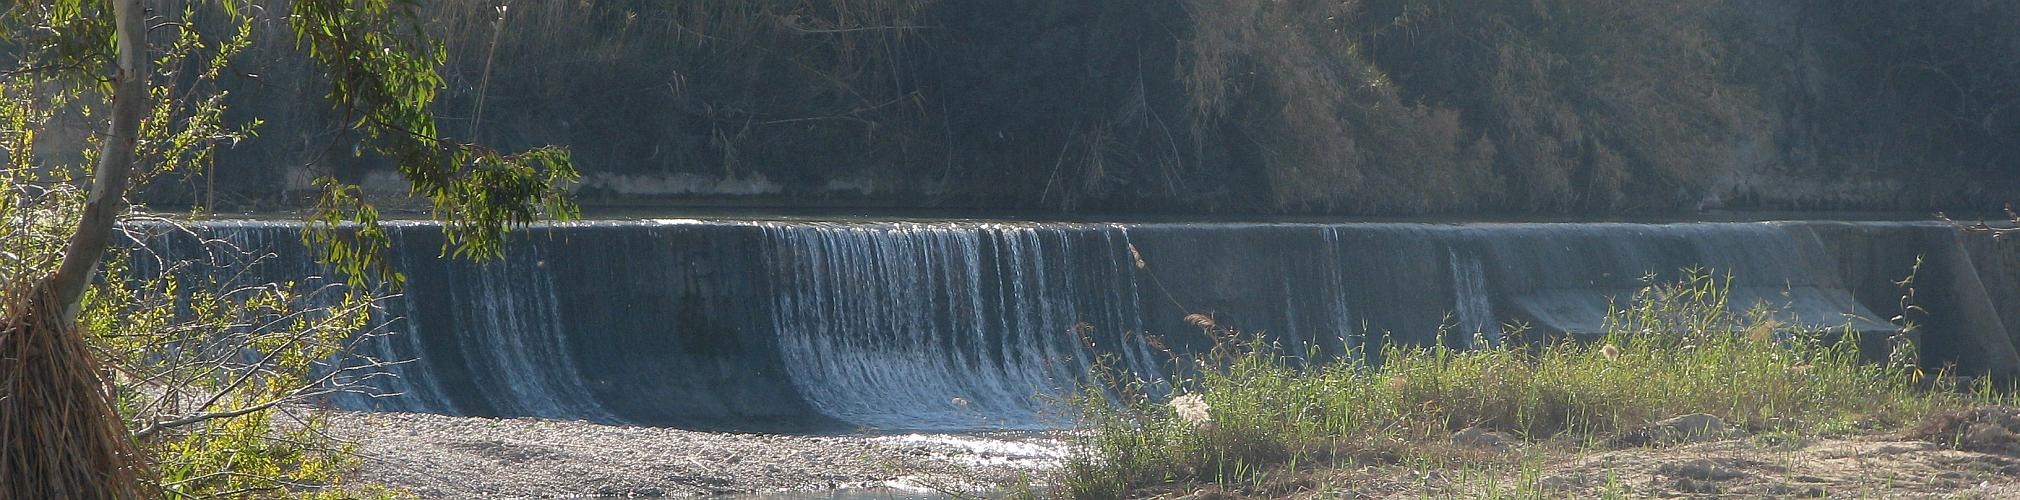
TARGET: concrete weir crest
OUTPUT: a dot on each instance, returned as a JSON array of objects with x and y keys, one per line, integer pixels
[{"x": 814, "y": 326}]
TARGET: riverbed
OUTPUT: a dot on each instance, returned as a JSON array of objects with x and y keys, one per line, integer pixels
[{"x": 437, "y": 456}]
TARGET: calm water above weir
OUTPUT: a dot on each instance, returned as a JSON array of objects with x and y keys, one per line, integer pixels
[{"x": 798, "y": 324}]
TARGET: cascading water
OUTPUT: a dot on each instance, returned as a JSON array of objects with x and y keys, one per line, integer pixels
[
  {"x": 515, "y": 308},
  {"x": 947, "y": 325},
  {"x": 1475, "y": 313},
  {"x": 929, "y": 326}
]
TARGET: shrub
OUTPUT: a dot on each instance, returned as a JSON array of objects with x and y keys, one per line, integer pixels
[{"x": 217, "y": 380}]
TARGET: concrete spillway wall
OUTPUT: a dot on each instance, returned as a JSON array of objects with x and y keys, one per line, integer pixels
[{"x": 771, "y": 325}]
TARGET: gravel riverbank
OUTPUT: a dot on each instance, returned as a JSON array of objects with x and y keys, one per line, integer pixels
[{"x": 466, "y": 457}]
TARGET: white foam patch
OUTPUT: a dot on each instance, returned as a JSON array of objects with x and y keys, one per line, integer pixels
[{"x": 1024, "y": 452}]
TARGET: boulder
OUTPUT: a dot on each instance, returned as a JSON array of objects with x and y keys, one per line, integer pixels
[{"x": 1481, "y": 437}]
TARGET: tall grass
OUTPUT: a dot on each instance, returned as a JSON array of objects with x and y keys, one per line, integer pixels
[{"x": 1674, "y": 349}]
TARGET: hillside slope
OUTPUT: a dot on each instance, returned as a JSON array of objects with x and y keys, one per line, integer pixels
[{"x": 1355, "y": 107}]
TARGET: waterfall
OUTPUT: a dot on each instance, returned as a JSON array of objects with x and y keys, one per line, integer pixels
[
  {"x": 951, "y": 325},
  {"x": 929, "y": 326},
  {"x": 1475, "y": 313}
]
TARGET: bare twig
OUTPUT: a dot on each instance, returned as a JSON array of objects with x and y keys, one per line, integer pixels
[{"x": 1997, "y": 232}]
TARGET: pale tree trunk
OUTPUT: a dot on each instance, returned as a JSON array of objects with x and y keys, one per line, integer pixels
[
  {"x": 60, "y": 435},
  {"x": 115, "y": 162}
]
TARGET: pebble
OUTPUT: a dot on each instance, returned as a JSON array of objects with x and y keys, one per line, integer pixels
[{"x": 464, "y": 457}]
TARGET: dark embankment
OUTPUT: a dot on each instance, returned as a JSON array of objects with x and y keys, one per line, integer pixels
[
  {"x": 1356, "y": 107},
  {"x": 810, "y": 326}
]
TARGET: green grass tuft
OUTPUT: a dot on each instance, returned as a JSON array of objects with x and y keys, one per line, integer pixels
[{"x": 1674, "y": 349}]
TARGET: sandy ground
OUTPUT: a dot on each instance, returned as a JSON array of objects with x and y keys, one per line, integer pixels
[
  {"x": 1857, "y": 468},
  {"x": 463, "y": 457},
  {"x": 1756, "y": 467}
]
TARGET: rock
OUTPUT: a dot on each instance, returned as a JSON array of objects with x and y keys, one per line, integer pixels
[
  {"x": 1990, "y": 429},
  {"x": 1205, "y": 494},
  {"x": 1700, "y": 469},
  {"x": 1780, "y": 490},
  {"x": 1988, "y": 436},
  {"x": 1564, "y": 482},
  {"x": 1693, "y": 427},
  {"x": 1481, "y": 437},
  {"x": 1688, "y": 485},
  {"x": 474, "y": 457}
]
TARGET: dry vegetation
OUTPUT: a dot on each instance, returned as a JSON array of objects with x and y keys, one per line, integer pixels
[
  {"x": 1536, "y": 417},
  {"x": 1364, "y": 106},
  {"x": 200, "y": 385},
  {"x": 216, "y": 388},
  {"x": 1334, "y": 129}
]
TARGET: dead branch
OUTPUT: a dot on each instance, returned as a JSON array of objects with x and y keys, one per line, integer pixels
[{"x": 2009, "y": 228}]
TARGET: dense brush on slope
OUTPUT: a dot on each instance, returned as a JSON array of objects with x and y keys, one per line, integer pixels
[{"x": 1364, "y": 106}]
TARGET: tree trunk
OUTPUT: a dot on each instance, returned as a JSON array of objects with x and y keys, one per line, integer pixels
[
  {"x": 115, "y": 162},
  {"x": 60, "y": 435}
]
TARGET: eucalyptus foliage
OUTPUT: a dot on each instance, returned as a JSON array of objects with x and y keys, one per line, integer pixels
[
  {"x": 382, "y": 75},
  {"x": 203, "y": 372}
]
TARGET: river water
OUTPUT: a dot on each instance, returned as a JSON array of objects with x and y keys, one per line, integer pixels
[{"x": 811, "y": 325}]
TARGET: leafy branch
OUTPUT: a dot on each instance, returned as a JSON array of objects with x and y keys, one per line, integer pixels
[{"x": 384, "y": 78}]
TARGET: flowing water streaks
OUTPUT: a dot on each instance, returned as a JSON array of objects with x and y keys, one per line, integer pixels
[
  {"x": 918, "y": 326},
  {"x": 963, "y": 325},
  {"x": 1474, "y": 308}
]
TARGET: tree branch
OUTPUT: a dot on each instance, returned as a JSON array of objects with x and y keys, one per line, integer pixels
[{"x": 1998, "y": 233}]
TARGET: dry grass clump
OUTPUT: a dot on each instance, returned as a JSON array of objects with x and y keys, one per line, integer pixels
[
  {"x": 1991, "y": 429},
  {"x": 59, "y": 435},
  {"x": 156, "y": 390},
  {"x": 1676, "y": 349},
  {"x": 164, "y": 383}
]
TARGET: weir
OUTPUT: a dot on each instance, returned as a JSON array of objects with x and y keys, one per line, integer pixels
[{"x": 967, "y": 325}]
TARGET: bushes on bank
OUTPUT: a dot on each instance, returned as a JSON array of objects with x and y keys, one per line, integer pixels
[
  {"x": 1361, "y": 107},
  {"x": 1674, "y": 349}
]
